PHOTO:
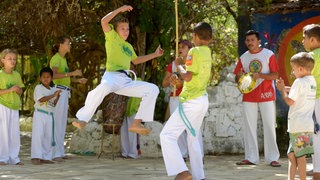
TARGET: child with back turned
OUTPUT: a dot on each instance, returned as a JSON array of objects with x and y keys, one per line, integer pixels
[
  {"x": 45, "y": 97},
  {"x": 193, "y": 105},
  {"x": 10, "y": 92},
  {"x": 301, "y": 100}
]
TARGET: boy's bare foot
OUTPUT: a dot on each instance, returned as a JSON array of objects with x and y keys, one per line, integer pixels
[
  {"x": 136, "y": 128},
  {"x": 79, "y": 124},
  {"x": 185, "y": 175},
  {"x": 36, "y": 161},
  {"x": 20, "y": 163},
  {"x": 46, "y": 161},
  {"x": 3, "y": 163},
  {"x": 58, "y": 159}
]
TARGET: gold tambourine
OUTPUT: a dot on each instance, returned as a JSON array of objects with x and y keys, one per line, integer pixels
[{"x": 246, "y": 83}]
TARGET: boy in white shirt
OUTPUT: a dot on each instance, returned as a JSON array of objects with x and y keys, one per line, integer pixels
[
  {"x": 45, "y": 97},
  {"x": 301, "y": 100}
]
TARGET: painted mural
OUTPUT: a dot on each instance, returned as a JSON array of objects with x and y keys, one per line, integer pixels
[{"x": 282, "y": 33}]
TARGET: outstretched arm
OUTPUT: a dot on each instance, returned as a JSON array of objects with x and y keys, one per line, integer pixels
[
  {"x": 107, "y": 18},
  {"x": 142, "y": 59},
  {"x": 282, "y": 88}
]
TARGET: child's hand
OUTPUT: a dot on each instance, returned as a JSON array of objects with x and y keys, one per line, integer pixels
[
  {"x": 159, "y": 51},
  {"x": 125, "y": 8},
  {"x": 77, "y": 72},
  {"x": 280, "y": 84},
  {"x": 16, "y": 89},
  {"x": 57, "y": 93},
  {"x": 82, "y": 80}
]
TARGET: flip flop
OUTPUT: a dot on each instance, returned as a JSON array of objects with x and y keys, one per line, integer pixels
[
  {"x": 20, "y": 163},
  {"x": 275, "y": 164},
  {"x": 244, "y": 162}
]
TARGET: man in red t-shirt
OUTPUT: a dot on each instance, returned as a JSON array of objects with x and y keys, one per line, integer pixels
[{"x": 263, "y": 64}]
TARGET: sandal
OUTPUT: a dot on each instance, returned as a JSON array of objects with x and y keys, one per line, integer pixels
[
  {"x": 20, "y": 163},
  {"x": 3, "y": 163},
  {"x": 245, "y": 162},
  {"x": 275, "y": 164}
]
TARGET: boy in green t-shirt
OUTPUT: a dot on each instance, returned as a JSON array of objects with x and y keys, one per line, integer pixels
[
  {"x": 119, "y": 55},
  {"x": 193, "y": 105},
  {"x": 311, "y": 42}
]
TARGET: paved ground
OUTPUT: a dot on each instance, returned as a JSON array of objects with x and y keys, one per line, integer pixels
[{"x": 89, "y": 167}]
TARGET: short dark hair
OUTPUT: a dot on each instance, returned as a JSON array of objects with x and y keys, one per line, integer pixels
[
  {"x": 253, "y": 32},
  {"x": 46, "y": 70},
  {"x": 312, "y": 30},
  {"x": 203, "y": 30},
  {"x": 118, "y": 19},
  {"x": 303, "y": 59}
]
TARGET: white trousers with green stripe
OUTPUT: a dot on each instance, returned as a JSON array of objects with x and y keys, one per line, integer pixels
[
  {"x": 9, "y": 135},
  {"x": 182, "y": 141},
  {"x": 41, "y": 146},
  {"x": 195, "y": 111}
]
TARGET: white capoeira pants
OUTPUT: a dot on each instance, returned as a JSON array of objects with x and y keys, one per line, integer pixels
[
  {"x": 316, "y": 141},
  {"x": 129, "y": 140},
  {"x": 121, "y": 84},
  {"x": 195, "y": 111},
  {"x": 9, "y": 135},
  {"x": 182, "y": 140},
  {"x": 41, "y": 142},
  {"x": 60, "y": 123},
  {"x": 268, "y": 115}
]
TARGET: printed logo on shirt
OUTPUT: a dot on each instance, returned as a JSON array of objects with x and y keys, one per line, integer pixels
[
  {"x": 126, "y": 50},
  {"x": 189, "y": 60},
  {"x": 255, "y": 66}
]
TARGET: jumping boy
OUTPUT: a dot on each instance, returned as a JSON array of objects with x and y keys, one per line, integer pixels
[
  {"x": 301, "y": 100},
  {"x": 311, "y": 42},
  {"x": 119, "y": 55},
  {"x": 45, "y": 97},
  {"x": 191, "y": 110}
]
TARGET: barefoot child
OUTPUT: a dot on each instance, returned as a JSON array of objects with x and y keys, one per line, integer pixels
[
  {"x": 119, "y": 55},
  {"x": 301, "y": 100},
  {"x": 45, "y": 97},
  {"x": 10, "y": 92},
  {"x": 193, "y": 105}
]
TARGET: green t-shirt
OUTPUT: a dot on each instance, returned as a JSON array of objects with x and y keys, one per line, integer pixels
[
  {"x": 11, "y": 100},
  {"x": 316, "y": 69},
  {"x": 132, "y": 106},
  {"x": 198, "y": 62},
  {"x": 119, "y": 52},
  {"x": 57, "y": 61}
]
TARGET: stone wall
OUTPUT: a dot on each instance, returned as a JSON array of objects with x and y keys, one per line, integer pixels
[{"x": 222, "y": 126}]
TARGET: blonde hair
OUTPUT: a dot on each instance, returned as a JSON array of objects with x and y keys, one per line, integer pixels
[{"x": 4, "y": 54}]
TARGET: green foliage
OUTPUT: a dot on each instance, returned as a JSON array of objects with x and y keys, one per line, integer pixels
[{"x": 31, "y": 26}]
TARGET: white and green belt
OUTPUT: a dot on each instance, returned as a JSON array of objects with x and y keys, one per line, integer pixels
[{"x": 53, "y": 143}]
